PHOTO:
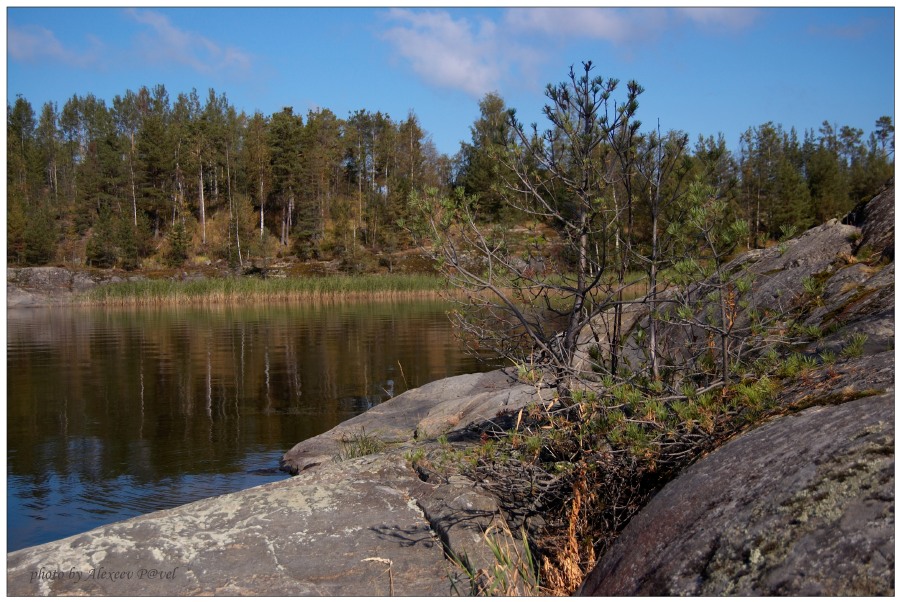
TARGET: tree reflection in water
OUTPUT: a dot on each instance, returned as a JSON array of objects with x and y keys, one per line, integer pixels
[{"x": 114, "y": 413}]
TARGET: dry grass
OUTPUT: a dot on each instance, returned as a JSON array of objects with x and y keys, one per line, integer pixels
[
  {"x": 216, "y": 291},
  {"x": 513, "y": 572},
  {"x": 562, "y": 570}
]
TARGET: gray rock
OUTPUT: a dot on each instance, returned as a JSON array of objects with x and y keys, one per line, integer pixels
[
  {"x": 34, "y": 287},
  {"x": 843, "y": 381},
  {"x": 778, "y": 277},
  {"x": 17, "y": 297},
  {"x": 354, "y": 528},
  {"x": 448, "y": 405},
  {"x": 876, "y": 216},
  {"x": 47, "y": 279},
  {"x": 462, "y": 515},
  {"x": 367, "y": 526},
  {"x": 82, "y": 282},
  {"x": 801, "y": 506},
  {"x": 48, "y": 285},
  {"x": 857, "y": 299}
]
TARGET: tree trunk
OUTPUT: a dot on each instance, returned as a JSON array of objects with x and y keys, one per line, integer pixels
[
  {"x": 133, "y": 186},
  {"x": 133, "y": 193},
  {"x": 202, "y": 206},
  {"x": 654, "y": 254},
  {"x": 617, "y": 309},
  {"x": 723, "y": 308},
  {"x": 756, "y": 223},
  {"x": 235, "y": 217},
  {"x": 262, "y": 205}
]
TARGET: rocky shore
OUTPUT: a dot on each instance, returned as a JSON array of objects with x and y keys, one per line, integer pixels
[
  {"x": 803, "y": 505},
  {"x": 800, "y": 505},
  {"x": 50, "y": 285},
  {"x": 359, "y": 527}
]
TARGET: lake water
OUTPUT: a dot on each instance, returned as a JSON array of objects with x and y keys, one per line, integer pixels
[{"x": 115, "y": 413}]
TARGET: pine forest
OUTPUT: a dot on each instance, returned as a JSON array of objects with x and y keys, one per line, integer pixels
[{"x": 151, "y": 182}]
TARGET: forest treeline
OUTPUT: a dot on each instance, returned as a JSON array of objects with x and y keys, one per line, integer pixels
[{"x": 147, "y": 181}]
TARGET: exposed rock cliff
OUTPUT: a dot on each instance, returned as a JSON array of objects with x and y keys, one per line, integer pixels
[{"x": 48, "y": 285}]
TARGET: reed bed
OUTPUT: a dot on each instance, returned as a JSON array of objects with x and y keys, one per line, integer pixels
[
  {"x": 243, "y": 289},
  {"x": 213, "y": 291}
]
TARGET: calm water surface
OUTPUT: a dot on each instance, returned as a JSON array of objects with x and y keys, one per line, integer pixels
[{"x": 115, "y": 413}]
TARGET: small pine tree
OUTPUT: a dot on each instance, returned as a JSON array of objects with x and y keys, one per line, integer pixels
[
  {"x": 129, "y": 246},
  {"x": 179, "y": 243},
  {"x": 101, "y": 250},
  {"x": 39, "y": 235},
  {"x": 16, "y": 223}
]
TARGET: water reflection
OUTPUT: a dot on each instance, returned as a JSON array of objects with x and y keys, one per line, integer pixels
[{"x": 116, "y": 413}]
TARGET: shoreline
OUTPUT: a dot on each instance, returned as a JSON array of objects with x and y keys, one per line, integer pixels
[
  {"x": 57, "y": 286},
  {"x": 328, "y": 530}
]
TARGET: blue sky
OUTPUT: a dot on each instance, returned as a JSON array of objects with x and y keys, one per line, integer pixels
[{"x": 705, "y": 70}]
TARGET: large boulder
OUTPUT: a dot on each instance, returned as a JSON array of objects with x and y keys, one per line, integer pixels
[
  {"x": 801, "y": 506},
  {"x": 445, "y": 406},
  {"x": 369, "y": 526},
  {"x": 32, "y": 287},
  {"x": 301, "y": 536}
]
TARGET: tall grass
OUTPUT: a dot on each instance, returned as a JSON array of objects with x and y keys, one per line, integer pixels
[{"x": 251, "y": 290}]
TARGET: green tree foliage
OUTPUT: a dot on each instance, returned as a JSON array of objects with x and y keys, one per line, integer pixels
[
  {"x": 116, "y": 241},
  {"x": 39, "y": 236},
  {"x": 479, "y": 170},
  {"x": 102, "y": 251},
  {"x": 155, "y": 159},
  {"x": 827, "y": 184},
  {"x": 19, "y": 135},
  {"x": 179, "y": 244},
  {"x": 714, "y": 163},
  {"x": 320, "y": 179},
  {"x": 285, "y": 131},
  {"x": 255, "y": 165},
  {"x": 326, "y": 187}
]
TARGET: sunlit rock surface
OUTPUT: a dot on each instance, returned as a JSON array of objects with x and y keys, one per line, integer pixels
[
  {"x": 444, "y": 406},
  {"x": 801, "y": 506},
  {"x": 359, "y": 527}
]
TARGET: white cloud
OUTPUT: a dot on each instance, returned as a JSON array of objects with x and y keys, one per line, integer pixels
[
  {"x": 448, "y": 49},
  {"x": 848, "y": 31},
  {"x": 34, "y": 44},
  {"x": 165, "y": 43},
  {"x": 448, "y": 52},
  {"x": 729, "y": 18},
  {"x": 602, "y": 23}
]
